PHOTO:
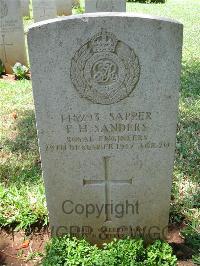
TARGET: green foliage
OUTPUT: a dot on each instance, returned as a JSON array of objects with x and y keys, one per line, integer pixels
[
  {"x": 122, "y": 252},
  {"x": 26, "y": 18},
  {"x": 16, "y": 210},
  {"x": 20, "y": 71},
  {"x": 191, "y": 233},
  {"x": 196, "y": 259},
  {"x": 22, "y": 197},
  {"x": 70, "y": 251},
  {"x": 186, "y": 191},
  {"x": 78, "y": 10},
  {"x": 2, "y": 69},
  {"x": 160, "y": 253}
]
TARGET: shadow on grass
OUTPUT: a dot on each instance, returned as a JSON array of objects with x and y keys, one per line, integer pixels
[
  {"x": 190, "y": 79},
  {"x": 187, "y": 153},
  {"x": 186, "y": 183},
  {"x": 26, "y": 140},
  {"x": 22, "y": 164}
]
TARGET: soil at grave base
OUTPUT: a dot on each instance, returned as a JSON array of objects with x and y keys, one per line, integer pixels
[
  {"x": 11, "y": 78},
  {"x": 15, "y": 249},
  {"x": 11, "y": 247},
  {"x": 8, "y": 77}
]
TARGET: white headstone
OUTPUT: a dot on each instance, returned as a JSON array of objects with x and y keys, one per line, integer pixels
[
  {"x": 25, "y": 8},
  {"x": 105, "y": 6},
  {"x": 12, "y": 41},
  {"x": 106, "y": 99},
  {"x": 64, "y": 7},
  {"x": 44, "y": 9}
]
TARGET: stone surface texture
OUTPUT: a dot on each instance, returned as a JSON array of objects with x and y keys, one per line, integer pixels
[
  {"x": 44, "y": 9},
  {"x": 64, "y": 7},
  {"x": 25, "y": 8},
  {"x": 12, "y": 41},
  {"x": 106, "y": 99},
  {"x": 105, "y": 6}
]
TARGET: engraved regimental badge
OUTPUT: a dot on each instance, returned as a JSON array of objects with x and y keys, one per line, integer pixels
[
  {"x": 3, "y": 9},
  {"x": 105, "y": 70}
]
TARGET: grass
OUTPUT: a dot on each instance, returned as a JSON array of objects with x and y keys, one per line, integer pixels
[
  {"x": 22, "y": 200},
  {"x": 21, "y": 187}
]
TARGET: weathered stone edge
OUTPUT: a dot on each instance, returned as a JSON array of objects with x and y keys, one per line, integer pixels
[{"x": 104, "y": 15}]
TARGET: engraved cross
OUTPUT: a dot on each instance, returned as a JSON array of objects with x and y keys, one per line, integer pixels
[
  {"x": 4, "y": 46},
  {"x": 107, "y": 183}
]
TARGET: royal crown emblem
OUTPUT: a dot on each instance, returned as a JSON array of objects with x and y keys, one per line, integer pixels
[
  {"x": 103, "y": 42},
  {"x": 105, "y": 70}
]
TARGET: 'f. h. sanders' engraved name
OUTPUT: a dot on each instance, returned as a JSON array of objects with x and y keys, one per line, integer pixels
[
  {"x": 106, "y": 128},
  {"x": 115, "y": 122}
]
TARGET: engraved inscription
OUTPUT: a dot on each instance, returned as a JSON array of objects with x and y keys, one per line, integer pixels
[
  {"x": 106, "y": 182},
  {"x": 105, "y": 70},
  {"x": 108, "y": 131},
  {"x": 97, "y": 146},
  {"x": 3, "y": 9}
]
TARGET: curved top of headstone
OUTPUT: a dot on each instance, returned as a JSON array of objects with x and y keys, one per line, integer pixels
[{"x": 86, "y": 16}]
